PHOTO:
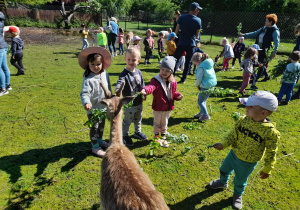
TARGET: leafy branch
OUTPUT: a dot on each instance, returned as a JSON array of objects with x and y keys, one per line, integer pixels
[
  {"x": 239, "y": 28},
  {"x": 97, "y": 116},
  {"x": 221, "y": 92}
]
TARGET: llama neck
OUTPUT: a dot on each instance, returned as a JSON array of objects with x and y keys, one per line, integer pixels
[{"x": 116, "y": 129}]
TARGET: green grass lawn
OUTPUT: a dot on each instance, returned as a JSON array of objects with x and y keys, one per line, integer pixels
[{"x": 45, "y": 151}]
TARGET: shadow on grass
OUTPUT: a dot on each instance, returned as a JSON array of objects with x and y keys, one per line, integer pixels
[
  {"x": 232, "y": 84},
  {"x": 172, "y": 121},
  {"x": 191, "y": 202},
  {"x": 12, "y": 164}
]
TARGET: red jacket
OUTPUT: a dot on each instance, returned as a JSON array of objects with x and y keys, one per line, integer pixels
[{"x": 160, "y": 99}]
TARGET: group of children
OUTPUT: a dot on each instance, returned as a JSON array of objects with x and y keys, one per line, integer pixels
[{"x": 254, "y": 135}]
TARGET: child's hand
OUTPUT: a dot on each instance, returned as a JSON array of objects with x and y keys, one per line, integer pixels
[
  {"x": 218, "y": 146},
  {"x": 199, "y": 88},
  {"x": 261, "y": 65},
  {"x": 179, "y": 97},
  {"x": 87, "y": 107},
  {"x": 143, "y": 92},
  {"x": 280, "y": 82},
  {"x": 263, "y": 175}
]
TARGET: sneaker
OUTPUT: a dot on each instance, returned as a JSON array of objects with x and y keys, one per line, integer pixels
[
  {"x": 104, "y": 145},
  {"x": 197, "y": 116},
  {"x": 148, "y": 62},
  {"x": 116, "y": 55},
  {"x": 140, "y": 136},
  {"x": 241, "y": 69},
  {"x": 216, "y": 184},
  {"x": 145, "y": 63},
  {"x": 265, "y": 79},
  {"x": 20, "y": 73},
  {"x": 232, "y": 67},
  {"x": 159, "y": 62},
  {"x": 8, "y": 87},
  {"x": 3, "y": 92},
  {"x": 242, "y": 93},
  {"x": 98, "y": 152},
  {"x": 127, "y": 141},
  {"x": 253, "y": 87},
  {"x": 203, "y": 118},
  {"x": 284, "y": 103},
  {"x": 112, "y": 55},
  {"x": 237, "y": 201},
  {"x": 182, "y": 82}
]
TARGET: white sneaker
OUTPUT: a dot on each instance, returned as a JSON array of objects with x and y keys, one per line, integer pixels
[
  {"x": 116, "y": 55},
  {"x": 232, "y": 67},
  {"x": 178, "y": 69},
  {"x": 3, "y": 92},
  {"x": 112, "y": 55},
  {"x": 98, "y": 152}
]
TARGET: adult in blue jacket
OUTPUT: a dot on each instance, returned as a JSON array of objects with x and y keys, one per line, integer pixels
[
  {"x": 264, "y": 38},
  {"x": 4, "y": 70},
  {"x": 112, "y": 36},
  {"x": 190, "y": 26}
]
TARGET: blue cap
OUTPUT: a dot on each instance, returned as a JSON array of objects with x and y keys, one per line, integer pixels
[
  {"x": 173, "y": 34},
  {"x": 195, "y": 5},
  {"x": 256, "y": 46}
]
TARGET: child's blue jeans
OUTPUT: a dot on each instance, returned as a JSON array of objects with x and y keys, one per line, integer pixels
[
  {"x": 202, "y": 97},
  {"x": 287, "y": 89},
  {"x": 241, "y": 169}
]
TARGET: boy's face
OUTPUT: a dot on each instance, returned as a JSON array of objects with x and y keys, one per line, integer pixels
[
  {"x": 257, "y": 113},
  {"x": 241, "y": 40},
  {"x": 132, "y": 60},
  {"x": 161, "y": 36},
  {"x": 173, "y": 38}
]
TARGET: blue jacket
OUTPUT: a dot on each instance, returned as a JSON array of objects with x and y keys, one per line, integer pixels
[
  {"x": 297, "y": 47},
  {"x": 205, "y": 74},
  {"x": 3, "y": 44},
  {"x": 114, "y": 27},
  {"x": 274, "y": 36}
]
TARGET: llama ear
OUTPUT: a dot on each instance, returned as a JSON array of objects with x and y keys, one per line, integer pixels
[
  {"x": 118, "y": 93},
  {"x": 106, "y": 91},
  {"x": 105, "y": 102},
  {"x": 126, "y": 100}
]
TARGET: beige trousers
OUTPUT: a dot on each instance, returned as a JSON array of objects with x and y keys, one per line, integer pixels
[{"x": 160, "y": 121}]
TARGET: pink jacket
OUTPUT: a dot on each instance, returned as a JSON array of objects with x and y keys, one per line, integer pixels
[
  {"x": 121, "y": 38},
  {"x": 160, "y": 99}
]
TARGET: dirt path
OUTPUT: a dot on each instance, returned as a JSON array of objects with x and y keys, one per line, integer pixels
[{"x": 45, "y": 35}]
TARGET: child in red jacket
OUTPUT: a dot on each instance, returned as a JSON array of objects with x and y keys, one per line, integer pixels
[{"x": 164, "y": 89}]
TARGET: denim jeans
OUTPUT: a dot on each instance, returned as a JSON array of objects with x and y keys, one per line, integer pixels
[
  {"x": 121, "y": 48},
  {"x": 287, "y": 89},
  {"x": 111, "y": 40},
  {"x": 202, "y": 97},
  {"x": 85, "y": 44},
  {"x": 4, "y": 71}
]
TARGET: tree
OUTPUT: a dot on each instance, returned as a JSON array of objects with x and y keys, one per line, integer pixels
[
  {"x": 113, "y": 7},
  {"x": 31, "y": 2}
]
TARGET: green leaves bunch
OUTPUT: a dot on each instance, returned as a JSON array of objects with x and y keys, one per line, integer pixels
[
  {"x": 220, "y": 92},
  {"x": 239, "y": 28},
  {"x": 236, "y": 115},
  {"x": 97, "y": 116}
]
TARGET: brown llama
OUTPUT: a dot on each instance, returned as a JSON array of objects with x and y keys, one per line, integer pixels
[{"x": 124, "y": 186}]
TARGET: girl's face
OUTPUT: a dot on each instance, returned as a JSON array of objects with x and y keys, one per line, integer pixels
[
  {"x": 96, "y": 66},
  {"x": 148, "y": 34},
  {"x": 164, "y": 73},
  {"x": 268, "y": 23},
  {"x": 196, "y": 63},
  {"x": 136, "y": 42}
]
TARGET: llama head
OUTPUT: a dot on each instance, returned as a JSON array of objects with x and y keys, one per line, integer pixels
[{"x": 114, "y": 103}]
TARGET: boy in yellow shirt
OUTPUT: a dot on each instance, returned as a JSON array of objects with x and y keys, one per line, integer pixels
[
  {"x": 254, "y": 136},
  {"x": 171, "y": 45}
]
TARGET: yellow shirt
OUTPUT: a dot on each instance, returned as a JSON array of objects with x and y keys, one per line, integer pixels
[
  {"x": 84, "y": 34},
  {"x": 251, "y": 140},
  {"x": 171, "y": 47}
]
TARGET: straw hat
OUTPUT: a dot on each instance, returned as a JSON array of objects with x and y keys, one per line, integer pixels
[{"x": 82, "y": 58}]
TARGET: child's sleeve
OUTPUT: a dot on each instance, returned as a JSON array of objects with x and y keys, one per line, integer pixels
[
  {"x": 85, "y": 93},
  {"x": 199, "y": 76},
  {"x": 176, "y": 94},
  {"x": 108, "y": 83},
  {"x": 13, "y": 48},
  {"x": 151, "y": 87},
  {"x": 232, "y": 137},
  {"x": 271, "y": 150},
  {"x": 120, "y": 81}
]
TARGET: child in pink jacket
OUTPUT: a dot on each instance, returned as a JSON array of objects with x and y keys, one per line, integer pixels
[{"x": 164, "y": 89}]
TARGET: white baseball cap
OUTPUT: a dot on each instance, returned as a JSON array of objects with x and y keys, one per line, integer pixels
[
  {"x": 263, "y": 99},
  {"x": 136, "y": 38}
]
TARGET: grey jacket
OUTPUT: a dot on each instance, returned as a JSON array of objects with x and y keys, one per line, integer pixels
[
  {"x": 91, "y": 92},
  {"x": 247, "y": 65}
]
